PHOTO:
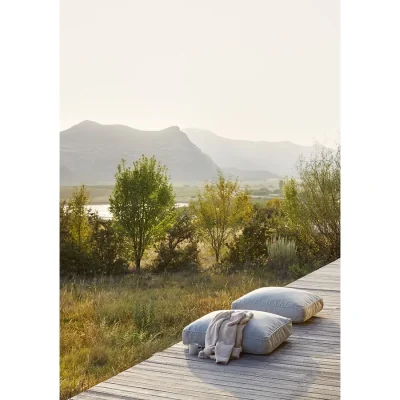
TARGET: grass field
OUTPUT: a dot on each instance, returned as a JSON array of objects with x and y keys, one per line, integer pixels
[{"x": 108, "y": 325}]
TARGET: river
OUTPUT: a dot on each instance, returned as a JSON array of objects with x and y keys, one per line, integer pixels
[{"x": 104, "y": 212}]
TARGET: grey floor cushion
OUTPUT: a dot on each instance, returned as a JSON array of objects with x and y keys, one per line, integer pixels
[
  {"x": 263, "y": 333},
  {"x": 298, "y": 305}
]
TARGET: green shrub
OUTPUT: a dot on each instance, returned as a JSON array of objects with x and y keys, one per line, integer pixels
[
  {"x": 179, "y": 249},
  {"x": 89, "y": 245},
  {"x": 183, "y": 257},
  {"x": 226, "y": 267},
  {"x": 312, "y": 205},
  {"x": 248, "y": 250},
  {"x": 297, "y": 271},
  {"x": 109, "y": 248},
  {"x": 74, "y": 260},
  {"x": 281, "y": 255}
]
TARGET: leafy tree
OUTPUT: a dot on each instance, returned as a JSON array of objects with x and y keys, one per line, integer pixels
[
  {"x": 69, "y": 252},
  {"x": 74, "y": 234},
  {"x": 312, "y": 206},
  {"x": 79, "y": 227},
  {"x": 179, "y": 249},
  {"x": 65, "y": 234},
  {"x": 141, "y": 203},
  {"x": 220, "y": 212}
]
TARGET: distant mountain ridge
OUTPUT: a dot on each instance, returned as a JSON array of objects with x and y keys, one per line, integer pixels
[
  {"x": 278, "y": 157},
  {"x": 90, "y": 153}
]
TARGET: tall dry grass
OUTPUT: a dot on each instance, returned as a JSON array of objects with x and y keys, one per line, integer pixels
[{"x": 110, "y": 324}]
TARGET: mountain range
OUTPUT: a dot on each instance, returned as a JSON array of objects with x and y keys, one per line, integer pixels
[
  {"x": 90, "y": 153},
  {"x": 278, "y": 157}
]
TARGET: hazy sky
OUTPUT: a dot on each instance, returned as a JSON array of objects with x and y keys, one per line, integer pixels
[{"x": 260, "y": 70}]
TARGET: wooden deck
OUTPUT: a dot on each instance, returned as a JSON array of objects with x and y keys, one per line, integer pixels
[{"x": 306, "y": 366}]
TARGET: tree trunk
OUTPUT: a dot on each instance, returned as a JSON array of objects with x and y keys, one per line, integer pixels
[{"x": 137, "y": 264}]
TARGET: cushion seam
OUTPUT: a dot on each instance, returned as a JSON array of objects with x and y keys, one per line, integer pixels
[
  {"x": 250, "y": 337},
  {"x": 243, "y": 298},
  {"x": 296, "y": 306}
]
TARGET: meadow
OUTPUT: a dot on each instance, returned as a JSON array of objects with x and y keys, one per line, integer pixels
[{"x": 109, "y": 324}]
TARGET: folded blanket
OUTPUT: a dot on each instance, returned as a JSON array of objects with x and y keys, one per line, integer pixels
[{"x": 224, "y": 336}]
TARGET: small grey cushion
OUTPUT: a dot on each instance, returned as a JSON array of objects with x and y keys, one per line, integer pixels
[
  {"x": 298, "y": 305},
  {"x": 262, "y": 334}
]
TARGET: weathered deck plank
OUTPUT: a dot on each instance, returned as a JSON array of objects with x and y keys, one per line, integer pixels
[{"x": 306, "y": 366}]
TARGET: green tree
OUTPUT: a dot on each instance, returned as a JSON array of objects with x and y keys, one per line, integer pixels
[
  {"x": 79, "y": 227},
  {"x": 65, "y": 234},
  {"x": 312, "y": 205},
  {"x": 220, "y": 212},
  {"x": 141, "y": 203},
  {"x": 75, "y": 234}
]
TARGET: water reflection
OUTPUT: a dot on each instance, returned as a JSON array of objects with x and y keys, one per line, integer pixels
[{"x": 104, "y": 212}]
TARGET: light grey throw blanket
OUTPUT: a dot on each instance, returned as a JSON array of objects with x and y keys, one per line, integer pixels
[{"x": 224, "y": 336}]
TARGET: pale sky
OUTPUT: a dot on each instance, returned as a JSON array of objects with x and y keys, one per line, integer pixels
[{"x": 257, "y": 69}]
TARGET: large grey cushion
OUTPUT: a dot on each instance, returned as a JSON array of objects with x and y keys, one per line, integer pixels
[
  {"x": 298, "y": 305},
  {"x": 262, "y": 334}
]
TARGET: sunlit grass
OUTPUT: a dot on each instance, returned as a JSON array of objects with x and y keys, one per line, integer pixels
[{"x": 110, "y": 324}]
